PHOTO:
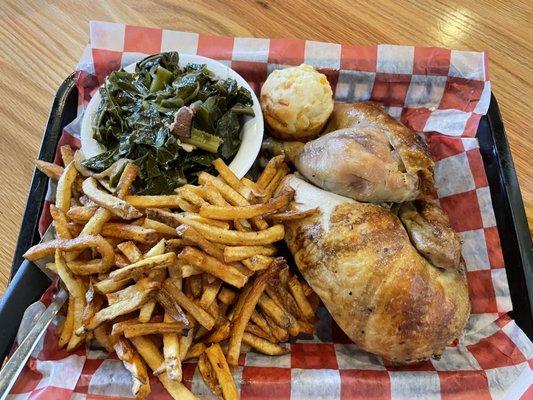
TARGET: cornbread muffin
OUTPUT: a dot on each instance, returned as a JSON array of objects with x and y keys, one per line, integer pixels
[{"x": 296, "y": 102}]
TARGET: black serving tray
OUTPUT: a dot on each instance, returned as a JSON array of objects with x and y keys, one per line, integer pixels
[{"x": 28, "y": 282}]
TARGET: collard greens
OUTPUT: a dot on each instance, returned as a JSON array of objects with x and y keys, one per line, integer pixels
[{"x": 134, "y": 117}]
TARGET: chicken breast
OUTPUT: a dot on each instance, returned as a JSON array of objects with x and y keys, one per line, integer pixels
[
  {"x": 367, "y": 156},
  {"x": 387, "y": 298}
]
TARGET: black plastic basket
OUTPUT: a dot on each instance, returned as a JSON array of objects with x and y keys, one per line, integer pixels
[{"x": 28, "y": 283}]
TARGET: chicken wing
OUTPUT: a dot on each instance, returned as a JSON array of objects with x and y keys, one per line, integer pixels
[
  {"x": 430, "y": 232},
  {"x": 367, "y": 156}
]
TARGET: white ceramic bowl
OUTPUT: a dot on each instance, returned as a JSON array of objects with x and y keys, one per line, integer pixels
[{"x": 251, "y": 131}]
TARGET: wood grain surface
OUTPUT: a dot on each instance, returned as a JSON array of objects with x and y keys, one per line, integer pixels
[{"x": 41, "y": 41}]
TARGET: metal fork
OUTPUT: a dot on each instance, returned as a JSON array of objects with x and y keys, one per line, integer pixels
[{"x": 13, "y": 366}]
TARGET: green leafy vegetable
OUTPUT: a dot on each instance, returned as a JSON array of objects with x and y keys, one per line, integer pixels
[{"x": 136, "y": 112}]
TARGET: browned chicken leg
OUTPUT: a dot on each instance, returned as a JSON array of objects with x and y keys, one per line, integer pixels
[{"x": 359, "y": 259}]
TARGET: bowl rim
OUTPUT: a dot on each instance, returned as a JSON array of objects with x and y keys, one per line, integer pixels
[{"x": 252, "y": 130}]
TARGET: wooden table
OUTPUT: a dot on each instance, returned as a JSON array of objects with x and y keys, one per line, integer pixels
[{"x": 40, "y": 43}]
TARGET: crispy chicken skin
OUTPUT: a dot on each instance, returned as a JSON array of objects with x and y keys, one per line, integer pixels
[
  {"x": 387, "y": 298},
  {"x": 430, "y": 232},
  {"x": 367, "y": 156}
]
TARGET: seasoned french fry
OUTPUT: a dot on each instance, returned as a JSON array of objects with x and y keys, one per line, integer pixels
[
  {"x": 60, "y": 223},
  {"x": 120, "y": 295},
  {"x": 194, "y": 285},
  {"x": 68, "y": 325},
  {"x": 170, "y": 201},
  {"x": 245, "y": 308},
  {"x": 220, "y": 334},
  {"x": 109, "y": 285},
  {"x": 147, "y": 309},
  {"x": 274, "y": 183},
  {"x": 306, "y": 327},
  {"x": 249, "y": 211},
  {"x": 186, "y": 340},
  {"x": 75, "y": 339},
  {"x": 93, "y": 227},
  {"x": 171, "y": 353},
  {"x": 301, "y": 300},
  {"x": 281, "y": 334},
  {"x": 171, "y": 307},
  {"x": 228, "y": 193},
  {"x": 238, "y": 253},
  {"x": 227, "y": 174},
  {"x": 174, "y": 244},
  {"x": 76, "y": 288},
  {"x": 234, "y": 238},
  {"x": 208, "y": 375},
  {"x": 90, "y": 267},
  {"x": 149, "y": 351},
  {"x": 191, "y": 197},
  {"x": 258, "y": 319},
  {"x": 81, "y": 214},
  {"x": 257, "y": 263},
  {"x": 170, "y": 219},
  {"x": 133, "y": 363},
  {"x": 213, "y": 310},
  {"x": 116, "y": 206},
  {"x": 130, "y": 173},
  {"x": 152, "y": 328},
  {"x": 144, "y": 265},
  {"x": 282, "y": 296},
  {"x": 118, "y": 327},
  {"x": 253, "y": 187},
  {"x": 87, "y": 202},
  {"x": 131, "y": 251},
  {"x": 192, "y": 236},
  {"x": 92, "y": 306},
  {"x": 270, "y": 308},
  {"x": 291, "y": 215},
  {"x": 203, "y": 318},
  {"x": 242, "y": 225},
  {"x": 293, "y": 327},
  {"x": 227, "y": 296},
  {"x": 210, "y": 294},
  {"x": 188, "y": 270},
  {"x": 157, "y": 249},
  {"x": 220, "y": 367},
  {"x": 255, "y": 330},
  {"x": 130, "y": 232},
  {"x": 205, "y": 262},
  {"x": 195, "y": 351},
  {"x": 159, "y": 227},
  {"x": 67, "y": 155},
  {"x": 263, "y": 346},
  {"x": 270, "y": 171},
  {"x": 207, "y": 221},
  {"x": 53, "y": 171},
  {"x": 143, "y": 292},
  {"x": 101, "y": 334},
  {"x": 213, "y": 196},
  {"x": 64, "y": 187},
  {"x": 157, "y": 275}
]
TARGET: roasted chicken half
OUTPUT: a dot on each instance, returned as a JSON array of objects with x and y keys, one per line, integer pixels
[
  {"x": 388, "y": 298},
  {"x": 367, "y": 156}
]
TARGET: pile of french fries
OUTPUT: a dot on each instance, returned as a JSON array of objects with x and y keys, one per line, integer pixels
[{"x": 164, "y": 279}]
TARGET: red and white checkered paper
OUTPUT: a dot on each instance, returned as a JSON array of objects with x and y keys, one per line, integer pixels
[{"x": 442, "y": 93}]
